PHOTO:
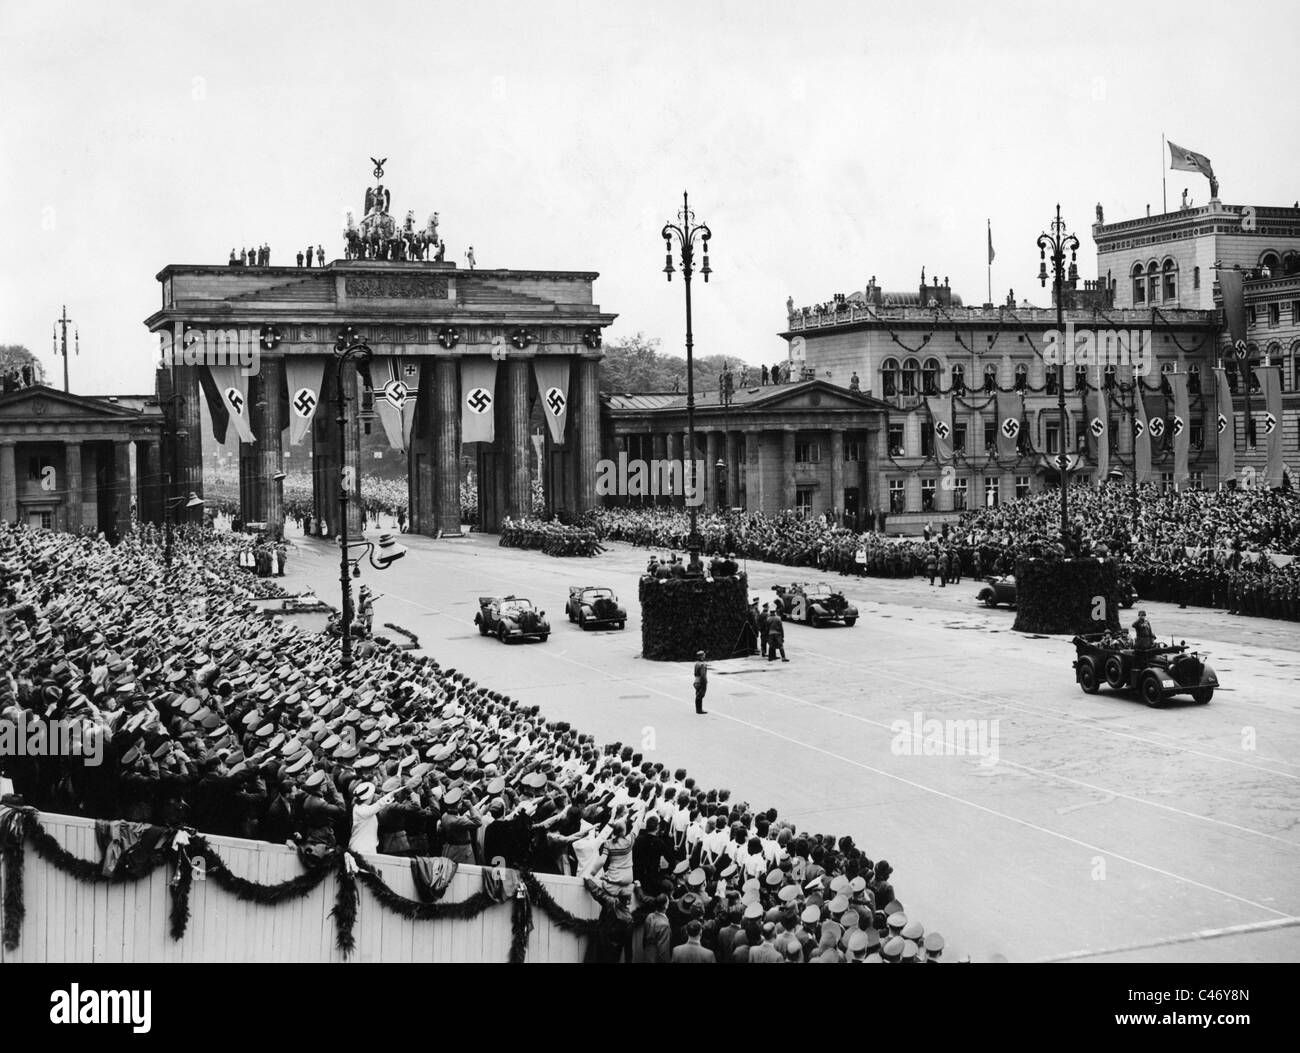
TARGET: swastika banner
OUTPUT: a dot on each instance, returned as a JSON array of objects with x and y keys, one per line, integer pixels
[
  {"x": 941, "y": 420},
  {"x": 553, "y": 389},
  {"x": 1181, "y": 427},
  {"x": 478, "y": 384},
  {"x": 1271, "y": 425},
  {"x": 232, "y": 387},
  {"x": 1225, "y": 427},
  {"x": 1010, "y": 411},
  {"x": 304, "y": 378},
  {"x": 1141, "y": 438},
  {"x": 1099, "y": 431}
]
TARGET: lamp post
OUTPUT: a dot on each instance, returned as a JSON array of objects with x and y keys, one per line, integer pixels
[
  {"x": 1059, "y": 242},
  {"x": 721, "y": 466},
  {"x": 686, "y": 232}
]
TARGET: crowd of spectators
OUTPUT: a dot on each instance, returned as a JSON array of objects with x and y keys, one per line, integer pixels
[{"x": 207, "y": 713}]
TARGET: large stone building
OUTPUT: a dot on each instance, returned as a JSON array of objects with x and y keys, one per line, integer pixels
[
  {"x": 460, "y": 356},
  {"x": 66, "y": 461},
  {"x": 906, "y": 349},
  {"x": 1169, "y": 260}
]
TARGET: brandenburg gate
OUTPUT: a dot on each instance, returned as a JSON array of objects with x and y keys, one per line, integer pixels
[{"x": 460, "y": 356}]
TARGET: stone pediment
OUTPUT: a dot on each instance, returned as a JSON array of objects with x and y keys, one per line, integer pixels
[
  {"x": 811, "y": 395},
  {"x": 45, "y": 403}
]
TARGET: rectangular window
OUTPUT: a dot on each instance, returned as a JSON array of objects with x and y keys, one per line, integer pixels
[
  {"x": 991, "y": 493},
  {"x": 803, "y": 500},
  {"x": 806, "y": 452},
  {"x": 927, "y": 440},
  {"x": 990, "y": 434},
  {"x": 1197, "y": 437},
  {"x": 959, "y": 436},
  {"x": 897, "y": 496},
  {"x": 927, "y": 494},
  {"x": 1275, "y": 314},
  {"x": 1250, "y": 315},
  {"x": 1050, "y": 379},
  {"x": 1166, "y": 481},
  {"x": 1053, "y": 436},
  {"x": 896, "y": 440},
  {"x": 1022, "y": 487},
  {"x": 1112, "y": 435},
  {"x": 1197, "y": 480},
  {"x": 855, "y": 451},
  {"x": 960, "y": 493},
  {"x": 1295, "y": 312}
]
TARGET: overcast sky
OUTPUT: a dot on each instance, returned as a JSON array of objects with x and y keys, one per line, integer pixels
[{"x": 823, "y": 142}]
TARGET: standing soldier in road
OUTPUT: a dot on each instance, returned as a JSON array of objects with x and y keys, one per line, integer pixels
[
  {"x": 701, "y": 681},
  {"x": 775, "y": 637}
]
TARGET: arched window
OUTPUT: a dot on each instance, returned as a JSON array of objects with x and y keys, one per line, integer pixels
[
  {"x": 1291, "y": 263},
  {"x": 889, "y": 377},
  {"x": 1111, "y": 376},
  {"x": 1170, "y": 272},
  {"x": 1153, "y": 282},
  {"x": 1139, "y": 284},
  {"x": 1295, "y": 366},
  {"x": 1193, "y": 379},
  {"x": 1274, "y": 354},
  {"x": 1270, "y": 264},
  {"x": 930, "y": 377},
  {"x": 910, "y": 369},
  {"x": 1165, "y": 369},
  {"x": 1022, "y": 376},
  {"x": 1080, "y": 378},
  {"x": 1196, "y": 277},
  {"x": 1050, "y": 379},
  {"x": 959, "y": 379},
  {"x": 990, "y": 378}
]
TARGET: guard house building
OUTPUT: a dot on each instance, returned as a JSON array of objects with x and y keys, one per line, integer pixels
[
  {"x": 808, "y": 446},
  {"x": 459, "y": 356},
  {"x": 66, "y": 460}
]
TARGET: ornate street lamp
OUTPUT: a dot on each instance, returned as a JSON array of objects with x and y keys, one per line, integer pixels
[
  {"x": 350, "y": 346},
  {"x": 1060, "y": 243},
  {"x": 686, "y": 232}
]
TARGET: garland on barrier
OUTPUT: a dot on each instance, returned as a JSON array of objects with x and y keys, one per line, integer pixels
[{"x": 21, "y": 824}]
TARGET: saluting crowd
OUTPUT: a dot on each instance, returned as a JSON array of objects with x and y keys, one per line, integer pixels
[{"x": 207, "y": 713}]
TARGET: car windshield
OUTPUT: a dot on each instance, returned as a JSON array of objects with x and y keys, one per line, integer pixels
[
  {"x": 597, "y": 594},
  {"x": 820, "y": 589},
  {"x": 515, "y": 606}
]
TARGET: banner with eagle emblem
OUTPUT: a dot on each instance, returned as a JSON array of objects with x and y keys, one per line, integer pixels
[
  {"x": 397, "y": 383},
  {"x": 941, "y": 420},
  {"x": 1225, "y": 427},
  {"x": 553, "y": 388},
  {"x": 304, "y": 382},
  {"x": 232, "y": 389},
  {"x": 478, "y": 381}
]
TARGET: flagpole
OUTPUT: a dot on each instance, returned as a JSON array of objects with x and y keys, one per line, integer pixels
[
  {"x": 1164, "y": 203},
  {"x": 990, "y": 262}
]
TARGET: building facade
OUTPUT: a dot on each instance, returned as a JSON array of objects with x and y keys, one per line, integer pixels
[
  {"x": 809, "y": 446},
  {"x": 1168, "y": 261},
  {"x": 78, "y": 463},
  {"x": 922, "y": 351}
]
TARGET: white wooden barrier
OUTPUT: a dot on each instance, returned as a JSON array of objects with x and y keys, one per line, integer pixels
[{"x": 71, "y": 921}]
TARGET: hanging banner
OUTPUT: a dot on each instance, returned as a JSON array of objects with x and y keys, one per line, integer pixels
[
  {"x": 232, "y": 389},
  {"x": 1098, "y": 428},
  {"x": 1141, "y": 436},
  {"x": 396, "y": 387},
  {"x": 941, "y": 420},
  {"x": 478, "y": 377},
  {"x": 304, "y": 381},
  {"x": 1234, "y": 313},
  {"x": 216, "y": 404},
  {"x": 1179, "y": 427},
  {"x": 1271, "y": 425},
  {"x": 1157, "y": 423},
  {"x": 552, "y": 376},
  {"x": 1010, "y": 412},
  {"x": 1225, "y": 428}
]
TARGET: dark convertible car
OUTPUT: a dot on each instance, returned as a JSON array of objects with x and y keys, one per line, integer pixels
[
  {"x": 510, "y": 618},
  {"x": 594, "y": 605}
]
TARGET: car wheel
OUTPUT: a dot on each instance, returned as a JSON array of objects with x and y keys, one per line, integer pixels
[
  {"x": 621, "y": 624},
  {"x": 850, "y": 622},
  {"x": 543, "y": 636},
  {"x": 1114, "y": 670},
  {"x": 1150, "y": 690},
  {"x": 1202, "y": 695},
  {"x": 989, "y": 599},
  {"x": 1088, "y": 676},
  {"x": 482, "y": 629},
  {"x": 501, "y": 633}
]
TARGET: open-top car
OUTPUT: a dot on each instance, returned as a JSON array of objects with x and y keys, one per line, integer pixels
[
  {"x": 998, "y": 590},
  {"x": 813, "y": 604},
  {"x": 1156, "y": 673},
  {"x": 594, "y": 605},
  {"x": 510, "y": 618}
]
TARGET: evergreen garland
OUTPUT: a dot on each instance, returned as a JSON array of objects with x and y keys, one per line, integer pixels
[
  {"x": 180, "y": 894},
  {"x": 521, "y": 924},
  {"x": 559, "y": 917},
  {"x": 344, "y": 911},
  {"x": 251, "y": 891},
  {"x": 414, "y": 909},
  {"x": 14, "y": 907}
]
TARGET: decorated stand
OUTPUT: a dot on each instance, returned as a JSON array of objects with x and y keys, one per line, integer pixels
[{"x": 1056, "y": 595}]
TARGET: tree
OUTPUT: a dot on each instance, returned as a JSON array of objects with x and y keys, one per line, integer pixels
[
  {"x": 636, "y": 364},
  {"x": 15, "y": 356}
]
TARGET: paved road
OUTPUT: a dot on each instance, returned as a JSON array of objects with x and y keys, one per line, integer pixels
[{"x": 1078, "y": 826}]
